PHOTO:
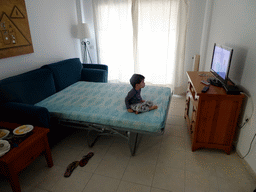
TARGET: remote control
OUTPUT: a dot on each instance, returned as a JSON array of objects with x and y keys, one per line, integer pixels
[
  {"x": 205, "y": 89},
  {"x": 205, "y": 82}
]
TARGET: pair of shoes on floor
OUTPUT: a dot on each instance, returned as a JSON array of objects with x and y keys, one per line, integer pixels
[{"x": 71, "y": 167}]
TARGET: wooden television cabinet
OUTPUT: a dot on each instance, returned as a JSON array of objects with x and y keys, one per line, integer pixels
[{"x": 212, "y": 116}]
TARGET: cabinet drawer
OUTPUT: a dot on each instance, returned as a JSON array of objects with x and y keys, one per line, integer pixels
[
  {"x": 192, "y": 91},
  {"x": 192, "y": 129},
  {"x": 195, "y": 104},
  {"x": 194, "y": 114}
]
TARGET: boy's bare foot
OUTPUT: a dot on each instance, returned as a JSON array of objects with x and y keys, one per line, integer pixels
[
  {"x": 136, "y": 112},
  {"x": 153, "y": 107},
  {"x": 130, "y": 110}
]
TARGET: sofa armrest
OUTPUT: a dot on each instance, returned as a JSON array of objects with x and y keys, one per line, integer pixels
[
  {"x": 94, "y": 75},
  {"x": 25, "y": 114},
  {"x": 95, "y": 66}
]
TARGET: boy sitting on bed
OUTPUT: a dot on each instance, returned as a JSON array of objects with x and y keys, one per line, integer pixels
[{"x": 133, "y": 100}]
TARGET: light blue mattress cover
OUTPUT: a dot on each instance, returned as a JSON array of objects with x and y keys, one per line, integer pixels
[{"x": 103, "y": 103}]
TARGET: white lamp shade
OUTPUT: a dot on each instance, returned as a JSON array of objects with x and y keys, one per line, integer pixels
[{"x": 83, "y": 31}]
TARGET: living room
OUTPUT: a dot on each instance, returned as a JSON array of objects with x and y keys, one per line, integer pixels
[{"x": 229, "y": 22}]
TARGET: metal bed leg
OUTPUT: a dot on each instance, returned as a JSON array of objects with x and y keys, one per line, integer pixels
[
  {"x": 133, "y": 142},
  {"x": 92, "y": 137}
]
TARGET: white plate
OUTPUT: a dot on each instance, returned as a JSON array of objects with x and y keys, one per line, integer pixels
[
  {"x": 3, "y": 153},
  {"x": 21, "y": 130},
  {"x": 5, "y": 148},
  {"x": 6, "y": 133}
]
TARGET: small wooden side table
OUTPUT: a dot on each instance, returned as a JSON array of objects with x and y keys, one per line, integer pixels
[{"x": 27, "y": 151}]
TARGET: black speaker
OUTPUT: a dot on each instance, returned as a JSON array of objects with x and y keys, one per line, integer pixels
[
  {"x": 214, "y": 81},
  {"x": 232, "y": 90}
]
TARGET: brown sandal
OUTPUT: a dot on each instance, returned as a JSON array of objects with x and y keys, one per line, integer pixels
[
  {"x": 71, "y": 168},
  {"x": 85, "y": 159}
]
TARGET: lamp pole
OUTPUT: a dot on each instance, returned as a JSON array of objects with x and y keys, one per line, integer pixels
[{"x": 86, "y": 50}]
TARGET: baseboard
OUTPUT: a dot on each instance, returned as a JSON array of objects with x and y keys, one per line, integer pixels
[{"x": 246, "y": 165}]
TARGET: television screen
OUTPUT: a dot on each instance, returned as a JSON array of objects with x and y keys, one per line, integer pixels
[{"x": 221, "y": 60}]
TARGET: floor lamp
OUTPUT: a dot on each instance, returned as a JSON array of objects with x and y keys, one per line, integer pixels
[{"x": 84, "y": 33}]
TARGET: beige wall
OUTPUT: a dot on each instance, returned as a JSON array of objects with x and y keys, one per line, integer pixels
[{"x": 233, "y": 24}]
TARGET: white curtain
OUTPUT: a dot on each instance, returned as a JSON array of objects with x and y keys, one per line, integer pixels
[{"x": 142, "y": 36}]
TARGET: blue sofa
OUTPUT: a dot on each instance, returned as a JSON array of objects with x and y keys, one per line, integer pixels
[
  {"x": 65, "y": 93},
  {"x": 19, "y": 93}
]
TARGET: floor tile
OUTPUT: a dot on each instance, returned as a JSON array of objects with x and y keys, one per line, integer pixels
[
  {"x": 158, "y": 190},
  {"x": 171, "y": 159},
  {"x": 48, "y": 177},
  {"x": 175, "y": 131},
  {"x": 176, "y": 120},
  {"x": 177, "y": 109},
  {"x": 169, "y": 179},
  {"x": 112, "y": 166},
  {"x": 132, "y": 187},
  {"x": 101, "y": 183},
  {"x": 230, "y": 185},
  {"x": 119, "y": 148},
  {"x": 64, "y": 157},
  {"x": 4, "y": 185},
  {"x": 201, "y": 164},
  {"x": 141, "y": 173},
  {"x": 147, "y": 150},
  {"x": 196, "y": 182},
  {"x": 174, "y": 143},
  {"x": 162, "y": 163},
  {"x": 32, "y": 189},
  {"x": 76, "y": 182}
]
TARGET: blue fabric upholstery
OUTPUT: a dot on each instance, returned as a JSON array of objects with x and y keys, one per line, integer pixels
[
  {"x": 96, "y": 66},
  {"x": 94, "y": 75},
  {"x": 30, "y": 87},
  {"x": 25, "y": 114},
  {"x": 103, "y": 104},
  {"x": 99, "y": 71},
  {"x": 19, "y": 93},
  {"x": 66, "y": 72}
]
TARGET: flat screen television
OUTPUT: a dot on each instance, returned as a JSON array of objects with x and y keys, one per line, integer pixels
[{"x": 221, "y": 61}]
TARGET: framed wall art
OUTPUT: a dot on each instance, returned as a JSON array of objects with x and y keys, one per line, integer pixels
[{"x": 15, "y": 37}]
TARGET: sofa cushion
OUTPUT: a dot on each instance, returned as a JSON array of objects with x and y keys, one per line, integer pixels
[
  {"x": 66, "y": 72},
  {"x": 30, "y": 87}
]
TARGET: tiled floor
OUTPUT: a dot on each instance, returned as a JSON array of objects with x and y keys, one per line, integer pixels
[{"x": 163, "y": 163}]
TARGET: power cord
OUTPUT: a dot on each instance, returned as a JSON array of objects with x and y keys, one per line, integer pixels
[
  {"x": 248, "y": 118},
  {"x": 246, "y": 121},
  {"x": 249, "y": 148}
]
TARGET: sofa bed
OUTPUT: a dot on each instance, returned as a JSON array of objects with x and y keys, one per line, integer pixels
[{"x": 79, "y": 95}]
